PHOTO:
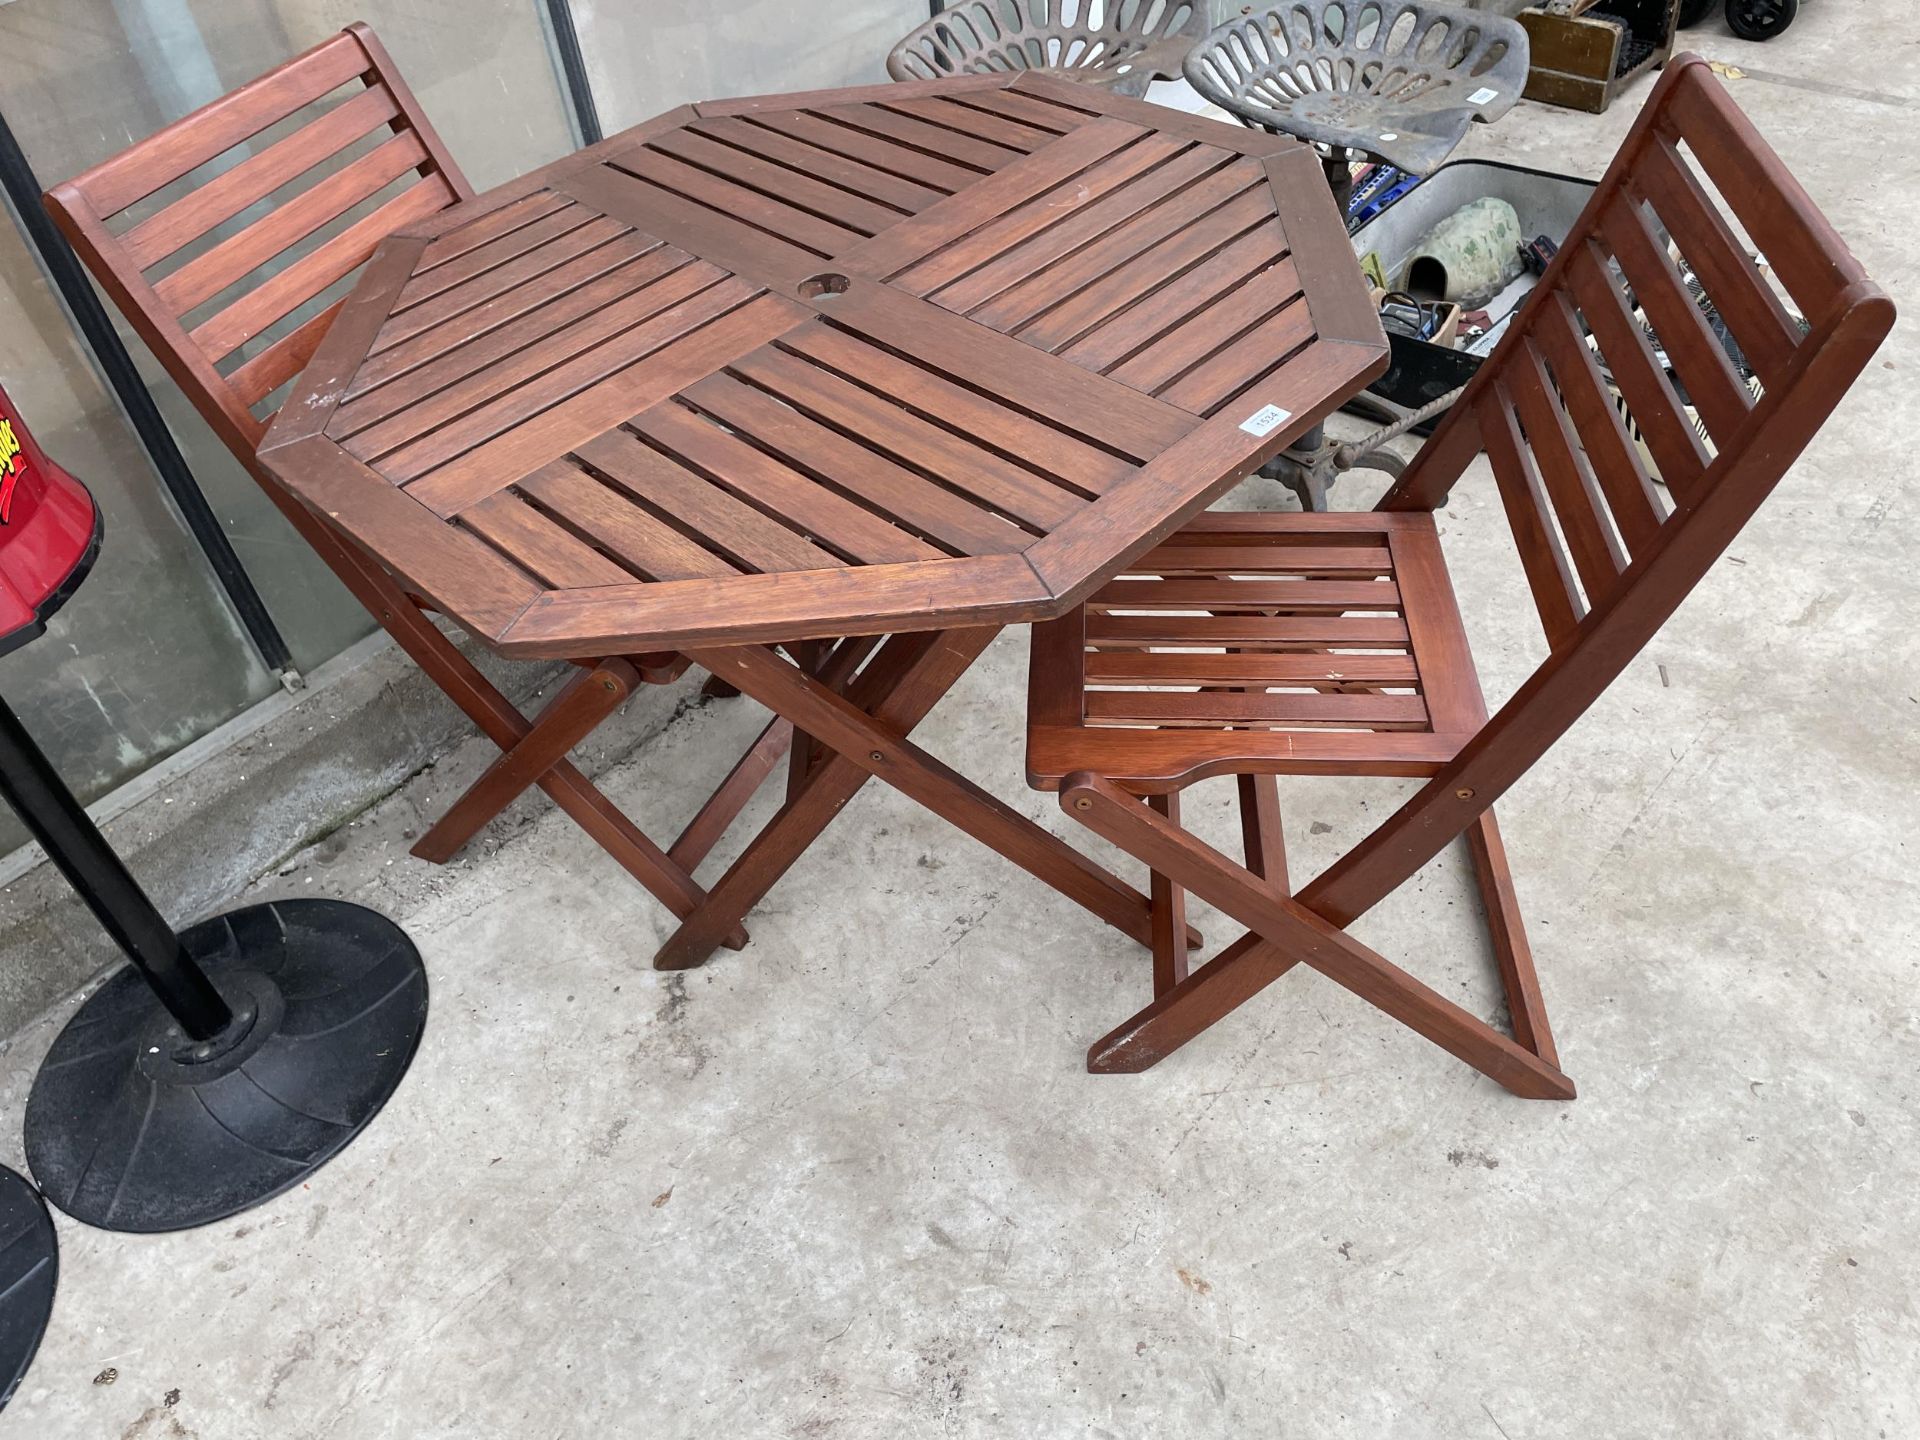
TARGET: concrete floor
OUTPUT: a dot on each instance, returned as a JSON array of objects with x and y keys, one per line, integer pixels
[{"x": 855, "y": 1182}]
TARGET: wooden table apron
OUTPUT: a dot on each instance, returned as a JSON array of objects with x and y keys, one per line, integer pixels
[{"x": 915, "y": 361}]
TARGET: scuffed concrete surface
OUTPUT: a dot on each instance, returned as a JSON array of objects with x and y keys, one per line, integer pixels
[{"x": 854, "y": 1182}]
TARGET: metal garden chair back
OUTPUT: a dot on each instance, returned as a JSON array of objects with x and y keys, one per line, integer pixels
[
  {"x": 1123, "y": 45},
  {"x": 1654, "y": 389}
]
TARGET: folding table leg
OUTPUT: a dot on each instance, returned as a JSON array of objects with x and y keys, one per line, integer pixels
[
  {"x": 923, "y": 668},
  {"x": 808, "y": 655},
  {"x": 586, "y": 699},
  {"x": 1299, "y": 934},
  {"x": 501, "y": 722},
  {"x": 703, "y": 832},
  {"x": 902, "y": 683}
]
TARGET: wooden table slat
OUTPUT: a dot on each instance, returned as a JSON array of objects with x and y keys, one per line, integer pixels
[
  {"x": 651, "y": 548},
  {"x": 464, "y": 343},
  {"x": 1188, "y": 210},
  {"x": 599, "y": 236},
  {"x": 540, "y": 545},
  {"x": 1214, "y": 327},
  {"x": 749, "y": 537},
  {"x": 1155, "y": 313},
  {"x": 996, "y": 424},
  {"x": 856, "y": 177},
  {"x": 535, "y": 438},
  {"x": 982, "y": 156},
  {"x": 919, "y": 167},
  {"x": 1025, "y": 108},
  {"x": 481, "y": 258},
  {"x": 489, "y": 226},
  {"x": 1141, "y": 271},
  {"x": 1063, "y": 394},
  {"x": 957, "y": 463},
  {"x": 957, "y": 216},
  {"x": 1015, "y": 134},
  {"x": 455, "y": 386},
  {"x": 795, "y": 188},
  {"x": 848, "y": 528},
  {"x": 742, "y": 203},
  {"x": 1155, "y": 172},
  {"x": 889, "y": 488}
]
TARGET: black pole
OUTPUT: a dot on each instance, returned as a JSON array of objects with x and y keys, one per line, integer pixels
[
  {"x": 573, "y": 65},
  {"x": 55, "y": 817},
  {"x": 23, "y": 189}
]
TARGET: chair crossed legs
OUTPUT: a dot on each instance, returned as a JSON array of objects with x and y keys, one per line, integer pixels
[{"x": 1645, "y": 401}]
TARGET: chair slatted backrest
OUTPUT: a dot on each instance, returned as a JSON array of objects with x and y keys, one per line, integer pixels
[
  {"x": 1655, "y": 387},
  {"x": 227, "y": 283},
  {"x": 1657, "y": 377}
]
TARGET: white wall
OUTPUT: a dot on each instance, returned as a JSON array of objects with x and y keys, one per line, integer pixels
[{"x": 646, "y": 56}]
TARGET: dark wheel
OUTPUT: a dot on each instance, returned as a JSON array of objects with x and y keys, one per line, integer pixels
[
  {"x": 1760, "y": 19},
  {"x": 29, "y": 1269},
  {"x": 1692, "y": 12}
]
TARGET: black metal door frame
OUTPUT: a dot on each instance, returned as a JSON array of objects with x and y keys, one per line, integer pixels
[
  {"x": 136, "y": 400},
  {"x": 573, "y": 71}
]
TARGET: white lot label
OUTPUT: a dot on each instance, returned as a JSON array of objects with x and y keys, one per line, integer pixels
[
  {"x": 1482, "y": 96},
  {"x": 1266, "y": 420}
]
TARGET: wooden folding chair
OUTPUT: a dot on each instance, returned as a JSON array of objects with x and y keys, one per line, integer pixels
[
  {"x": 1644, "y": 402},
  {"x": 276, "y": 196}
]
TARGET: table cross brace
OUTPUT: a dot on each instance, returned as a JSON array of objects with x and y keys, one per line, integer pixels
[{"x": 865, "y": 734}]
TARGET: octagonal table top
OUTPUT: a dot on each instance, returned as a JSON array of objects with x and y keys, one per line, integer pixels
[{"x": 851, "y": 362}]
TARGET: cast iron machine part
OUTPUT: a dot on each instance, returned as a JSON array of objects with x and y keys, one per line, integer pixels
[
  {"x": 1397, "y": 81},
  {"x": 1125, "y": 48}
]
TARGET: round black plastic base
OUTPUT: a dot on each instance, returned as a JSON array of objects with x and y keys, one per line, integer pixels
[
  {"x": 132, "y": 1126},
  {"x": 29, "y": 1269}
]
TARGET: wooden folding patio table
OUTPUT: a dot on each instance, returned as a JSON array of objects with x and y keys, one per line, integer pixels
[{"x": 821, "y": 391}]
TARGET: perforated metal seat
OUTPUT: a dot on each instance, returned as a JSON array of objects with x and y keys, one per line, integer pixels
[
  {"x": 1123, "y": 45},
  {"x": 1399, "y": 80}
]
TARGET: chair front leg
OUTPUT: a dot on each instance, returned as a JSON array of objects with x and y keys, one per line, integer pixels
[
  {"x": 1299, "y": 935},
  {"x": 1211, "y": 993},
  {"x": 1169, "y": 902}
]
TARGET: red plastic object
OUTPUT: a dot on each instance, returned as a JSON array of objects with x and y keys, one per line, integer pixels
[{"x": 49, "y": 532}]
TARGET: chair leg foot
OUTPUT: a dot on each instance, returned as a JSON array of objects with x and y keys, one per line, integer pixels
[
  {"x": 1510, "y": 948},
  {"x": 1208, "y": 995},
  {"x": 1111, "y": 1056}
]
